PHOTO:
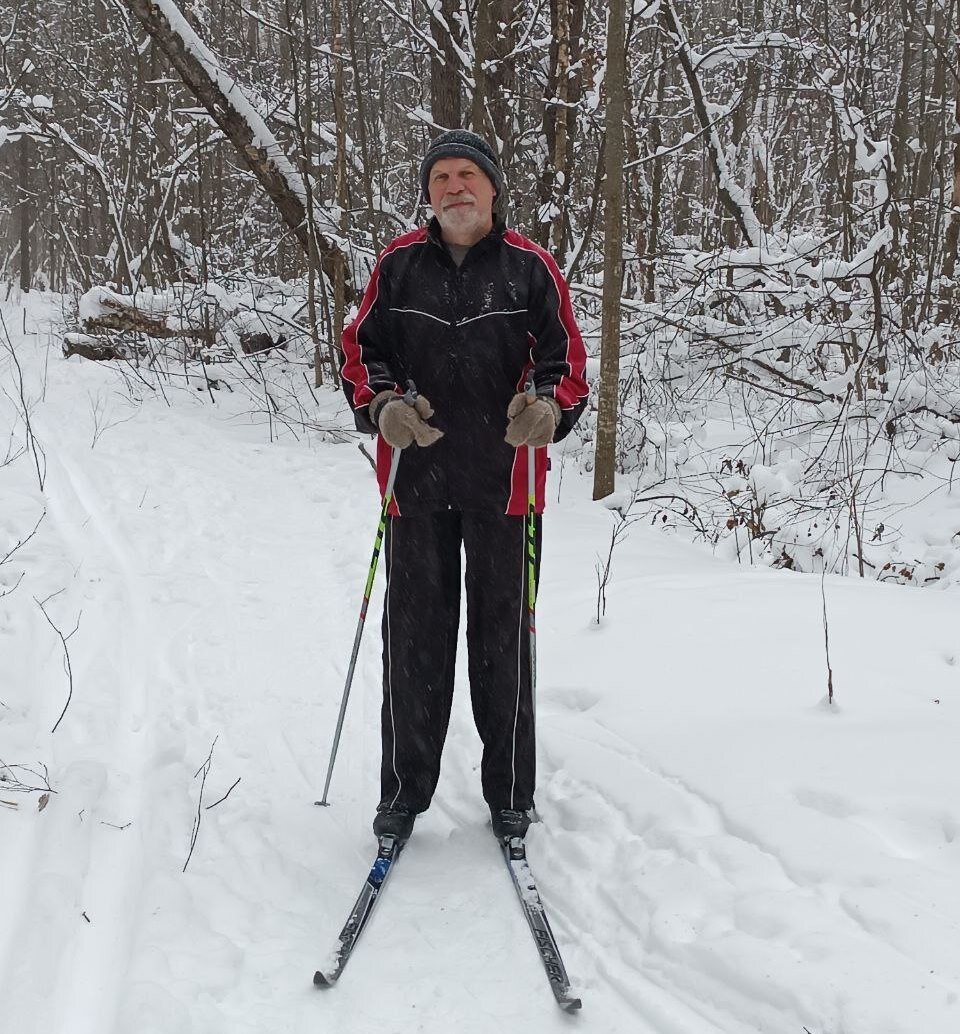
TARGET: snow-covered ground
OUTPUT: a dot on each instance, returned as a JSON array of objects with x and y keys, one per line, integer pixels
[{"x": 721, "y": 852}]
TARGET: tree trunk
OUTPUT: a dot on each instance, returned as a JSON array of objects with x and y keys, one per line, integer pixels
[
  {"x": 898, "y": 262},
  {"x": 307, "y": 165},
  {"x": 340, "y": 114},
  {"x": 604, "y": 474},
  {"x": 444, "y": 81},
  {"x": 490, "y": 113},
  {"x": 952, "y": 235},
  {"x": 558, "y": 118},
  {"x": 559, "y": 124},
  {"x": 649, "y": 267},
  {"x": 26, "y": 214}
]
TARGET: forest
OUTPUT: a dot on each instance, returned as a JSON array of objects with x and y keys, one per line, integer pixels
[{"x": 756, "y": 205}]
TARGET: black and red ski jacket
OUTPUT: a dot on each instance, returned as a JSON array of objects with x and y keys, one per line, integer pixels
[{"x": 467, "y": 337}]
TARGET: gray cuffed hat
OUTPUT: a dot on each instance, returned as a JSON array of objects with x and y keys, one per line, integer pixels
[{"x": 459, "y": 143}]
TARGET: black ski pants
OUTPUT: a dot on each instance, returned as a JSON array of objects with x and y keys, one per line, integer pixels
[{"x": 420, "y": 623}]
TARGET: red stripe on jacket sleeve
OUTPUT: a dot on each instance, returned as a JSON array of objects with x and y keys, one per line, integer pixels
[
  {"x": 572, "y": 386},
  {"x": 354, "y": 370},
  {"x": 361, "y": 349}
]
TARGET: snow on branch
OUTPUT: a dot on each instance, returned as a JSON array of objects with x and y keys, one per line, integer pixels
[
  {"x": 262, "y": 137},
  {"x": 744, "y": 50},
  {"x": 245, "y": 126},
  {"x": 798, "y": 258},
  {"x": 734, "y": 198}
]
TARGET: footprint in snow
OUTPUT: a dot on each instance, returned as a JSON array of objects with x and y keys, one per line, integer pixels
[
  {"x": 831, "y": 804},
  {"x": 574, "y": 698}
]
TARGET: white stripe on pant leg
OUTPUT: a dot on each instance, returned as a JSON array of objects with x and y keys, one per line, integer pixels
[
  {"x": 516, "y": 711},
  {"x": 393, "y": 723}
]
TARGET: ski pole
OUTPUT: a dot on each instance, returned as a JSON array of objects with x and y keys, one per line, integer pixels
[
  {"x": 410, "y": 398},
  {"x": 531, "y": 391}
]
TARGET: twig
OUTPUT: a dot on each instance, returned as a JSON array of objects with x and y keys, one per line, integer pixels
[
  {"x": 312, "y": 392},
  {"x": 224, "y": 797},
  {"x": 12, "y": 783},
  {"x": 6, "y": 592},
  {"x": 35, "y": 447},
  {"x": 826, "y": 637},
  {"x": 603, "y": 569},
  {"x": 23, "y": 542},
  {"x": 370, "y": 459},
  {"x": 66, "y": 658},
  {"x": 204, "y": 769}
]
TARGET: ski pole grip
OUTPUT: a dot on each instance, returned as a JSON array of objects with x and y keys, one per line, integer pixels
[
  {"x": 411, "y": 395},
  {"x": 530, "y": 388}
]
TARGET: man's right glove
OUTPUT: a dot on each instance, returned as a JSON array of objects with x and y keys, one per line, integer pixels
[{"x": 402, "y": 424}]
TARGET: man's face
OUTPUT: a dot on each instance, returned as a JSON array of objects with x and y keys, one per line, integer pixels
[{"x": 461, "y": 197}]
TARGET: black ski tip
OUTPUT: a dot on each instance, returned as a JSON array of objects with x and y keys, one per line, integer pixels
[
  {"x": 321, "y": 980},
  {"x": 570, "y": 1004},
  {"x": 322, "y": 804}
]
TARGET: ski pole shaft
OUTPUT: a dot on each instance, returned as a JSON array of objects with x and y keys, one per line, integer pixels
[
  {"x": 531, "y": 391},
  {"x": 410, "y": 397}
]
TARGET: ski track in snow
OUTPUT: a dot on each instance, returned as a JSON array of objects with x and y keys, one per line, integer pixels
[{"x": 218, "y": 581}]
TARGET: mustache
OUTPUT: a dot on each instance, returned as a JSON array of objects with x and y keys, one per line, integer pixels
[{"x": 459, "y": 200}]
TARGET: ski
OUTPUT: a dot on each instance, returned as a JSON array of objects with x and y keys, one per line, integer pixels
[
  {"x": 515, "y": 855},
  {"x": 388, "y": 853}
]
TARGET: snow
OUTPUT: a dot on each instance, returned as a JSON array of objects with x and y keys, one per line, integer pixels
[
  {"x": 792, "y": 255},
  {"x": 720, "y": 852}
]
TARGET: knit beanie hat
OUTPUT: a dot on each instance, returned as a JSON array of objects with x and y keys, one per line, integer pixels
[{"x": 459, "y": 143}]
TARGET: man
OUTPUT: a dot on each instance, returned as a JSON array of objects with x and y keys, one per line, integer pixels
[{"x": 466, "y": 309}]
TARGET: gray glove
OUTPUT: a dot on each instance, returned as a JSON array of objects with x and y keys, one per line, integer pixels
[
  {"x": 401, "y": 424},
  {"x": 532, "y": 419}
]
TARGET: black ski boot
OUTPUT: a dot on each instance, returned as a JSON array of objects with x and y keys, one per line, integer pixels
[
  {"x": 508, "y": 823},
  {"x": 395, "y": 822}
]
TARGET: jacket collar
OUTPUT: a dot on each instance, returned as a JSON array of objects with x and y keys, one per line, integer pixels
[{"x": 499, "y": 229}]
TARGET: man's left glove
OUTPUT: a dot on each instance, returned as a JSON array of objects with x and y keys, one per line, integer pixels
[{"x": 532, "y": 420}]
